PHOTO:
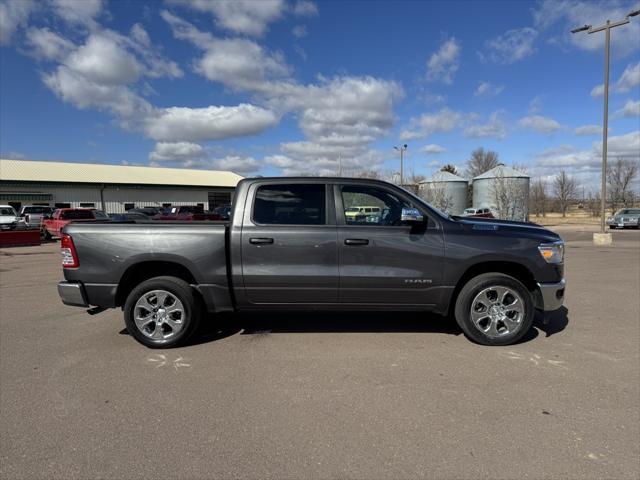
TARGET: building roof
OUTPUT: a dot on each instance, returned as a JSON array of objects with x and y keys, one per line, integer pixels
[
  {"x": 63, "y": 172},
  {"x": 502, "y": 171},
  {"x": 444, "y": 177}
]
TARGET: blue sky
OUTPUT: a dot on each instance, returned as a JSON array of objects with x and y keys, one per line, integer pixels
[{"x": 289, "y": 87}]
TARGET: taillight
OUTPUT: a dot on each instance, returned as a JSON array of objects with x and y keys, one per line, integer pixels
[{"x": 68, "y": 250}]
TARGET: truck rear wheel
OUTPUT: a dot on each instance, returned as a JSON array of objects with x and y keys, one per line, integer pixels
[
  {"x": 494, "y": 309},
  {"x": 162, "y": 312}
]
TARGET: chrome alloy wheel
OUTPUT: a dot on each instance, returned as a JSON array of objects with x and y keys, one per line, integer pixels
[
  {"x": 159, "y": 315},
  {"x": 497, "y": 311}
]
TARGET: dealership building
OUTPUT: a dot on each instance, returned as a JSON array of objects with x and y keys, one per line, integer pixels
[{"x": 112, "y": 188}]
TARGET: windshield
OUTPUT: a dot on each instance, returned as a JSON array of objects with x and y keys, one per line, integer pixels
[
  {"x": 629, "y": 211},
  {"x": 352, "y": 209},
  {"x": 37, "y": 209},
  {"x": 77, "y": 215},
  {"x": 7, "y": 211}
]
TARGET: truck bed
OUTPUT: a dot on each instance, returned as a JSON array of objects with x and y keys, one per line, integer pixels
[{"x": 113, "y": 253}]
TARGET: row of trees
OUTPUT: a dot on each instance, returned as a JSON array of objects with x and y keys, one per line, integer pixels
[{"x": 561, "y": 191}]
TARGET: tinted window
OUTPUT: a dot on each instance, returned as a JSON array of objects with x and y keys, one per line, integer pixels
[
  {"x": 77, "y": 215},
  {"x": 37, "y": 209},
  {"x": 294, "y": 204},
  {"x": 7, "y": 211},
  {"x": 389, "y": 206}
]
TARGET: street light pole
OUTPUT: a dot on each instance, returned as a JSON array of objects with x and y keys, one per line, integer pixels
[
  {"x": 605, "y": 127},
  {"x": 401, "y": 149}
]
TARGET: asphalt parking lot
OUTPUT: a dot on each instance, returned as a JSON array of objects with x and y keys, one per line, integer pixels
[{"x": 324, "y": 395}]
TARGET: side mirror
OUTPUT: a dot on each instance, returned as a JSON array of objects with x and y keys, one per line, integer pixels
[{"x": 411, "y": 216}]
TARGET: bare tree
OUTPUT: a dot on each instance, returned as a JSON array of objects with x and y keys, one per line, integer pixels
[
  {"x": 449, "y": 168},
  {"x": 565, "y": 189},
  {"x": 539, "y": 198},
  {"x": 620, "y": 176},
  {"x": 480, "y": 162},
  {"x": 593, "y": 203},
  {"x": 436, "y": 194},
  {"x": 510, "y": 200}
]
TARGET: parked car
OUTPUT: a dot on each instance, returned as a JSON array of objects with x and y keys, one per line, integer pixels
[
  {"x": 33, "y": 215},
  {"x": 9, "y": 219},
  {"x": 148, "y": 211},
  {"x": 187, "y": 213},
  {"x": 360, "y": 214},
  {"x": 128, "y": 216},
  {"x": 289, "y": 246},
  {"x": 478, "y": 212},
  {"x": 63, "y": 216},
  {"x": 100, "y": 214},
  {"x": 224, "y": 211},
  {"x": 625, "y": 218}
]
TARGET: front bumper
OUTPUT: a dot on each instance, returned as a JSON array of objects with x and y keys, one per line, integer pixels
[
  {"x": 73, "y": 294},
  {"x": 551, "y": 295}
]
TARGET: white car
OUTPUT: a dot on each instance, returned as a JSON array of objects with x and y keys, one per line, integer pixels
[{"x": 8, "y": 217}]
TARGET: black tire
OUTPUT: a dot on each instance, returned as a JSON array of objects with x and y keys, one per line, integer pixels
[
  {"x": 477, "y": 285},
  {"x": 612, "y": 227},
  {"x": 191, "y": 316},
  {"x": 45, "y": 235}
]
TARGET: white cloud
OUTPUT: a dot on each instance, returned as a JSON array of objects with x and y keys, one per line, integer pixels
[
  {"x": 299, "y": 31},
  {"x": 249, "y": 17},
  {"x": 433, "y": 149},
  {"x": 102, "y": 60},
  {"x": 629, "y": 79},
  {"x": 585, "y": 165},
  {"x": 444, "y": 63},
  {"x": 79, "y": 12},
  {"x": 427, "y": 124},
  {"x": 13, "y": 14},
  {"x": 177, "y": 152},
  {"x": 631, "y": 109},
  {"x": 539, "y": 124},
  {"x": 48, "y": 45},
  {"x": 597, "y": 91},
  {"x": 305, "y": 8},
  {"x": 587, "y": 130},
  {"x": 511, "y": 46},
  {"x": 241, "y": 64},
  {"x": 575, "y": 13},
  {"x": 495, "y": 127},
  {"x": 487, "y": 90},
  {"x": 237, "y": 164},
  {"x": 78, "y": 90},
  {"x": 210, "y": 123}
]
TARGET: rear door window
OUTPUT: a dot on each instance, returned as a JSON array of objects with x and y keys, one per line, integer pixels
[{"x": 290, "y": 204}]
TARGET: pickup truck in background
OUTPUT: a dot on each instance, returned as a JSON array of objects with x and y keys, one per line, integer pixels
[
  {"x": 186, "y": 213},
  {"x": 290, "y": 246},
  {"x": 53, "y": 224},
  {"x": 33, "y": 215}
]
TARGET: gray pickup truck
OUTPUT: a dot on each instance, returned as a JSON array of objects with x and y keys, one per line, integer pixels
[{"x": 289, "y": 246}]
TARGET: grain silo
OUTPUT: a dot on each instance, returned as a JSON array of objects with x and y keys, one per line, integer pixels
[
  {"x": 445, "y": 191},
  {"x": 504, "y": 190}
]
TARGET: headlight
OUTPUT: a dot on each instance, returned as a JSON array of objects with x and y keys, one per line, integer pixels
[
  {"x": 610, "y": 219},
  {"x": 552, "y": 252}
]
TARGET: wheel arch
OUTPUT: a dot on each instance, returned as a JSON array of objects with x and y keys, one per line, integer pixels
[
  {"x": 513, "y": 269},
  {"x": 141, "y": 271}
]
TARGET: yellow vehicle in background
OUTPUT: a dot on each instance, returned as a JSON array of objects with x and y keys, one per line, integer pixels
[{"x": 357, "y": 213}]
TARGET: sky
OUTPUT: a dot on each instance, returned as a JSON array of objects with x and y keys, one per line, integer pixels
[{"x": 287, "y": 87}]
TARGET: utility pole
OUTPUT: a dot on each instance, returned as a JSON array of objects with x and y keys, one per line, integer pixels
[
  {"x": 604, "y": 237},
  {"x": 339, "y": 164},
  {"x": 401, "y": 149}
]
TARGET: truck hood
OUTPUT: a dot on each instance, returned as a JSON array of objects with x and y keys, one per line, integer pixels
[{"x": 527, "y": 229}]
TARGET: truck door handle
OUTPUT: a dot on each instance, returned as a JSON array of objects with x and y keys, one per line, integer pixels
[
  {"x": 260, "y": 241},
  {"x": 356, "y": 241}
]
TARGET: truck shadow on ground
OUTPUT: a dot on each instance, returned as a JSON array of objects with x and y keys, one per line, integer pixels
[{"x": 221, "y": 326}]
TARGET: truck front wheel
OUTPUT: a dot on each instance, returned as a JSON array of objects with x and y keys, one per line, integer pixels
[
  {"x": 162, "y": 312},
  {"x": 494, "y": 309}
]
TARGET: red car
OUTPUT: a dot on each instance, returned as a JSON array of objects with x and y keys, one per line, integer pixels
[
  {"x": 187, "y": 213},
  {"x": 478, "y": 212},
  {"x": 62, "y": 216}
]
